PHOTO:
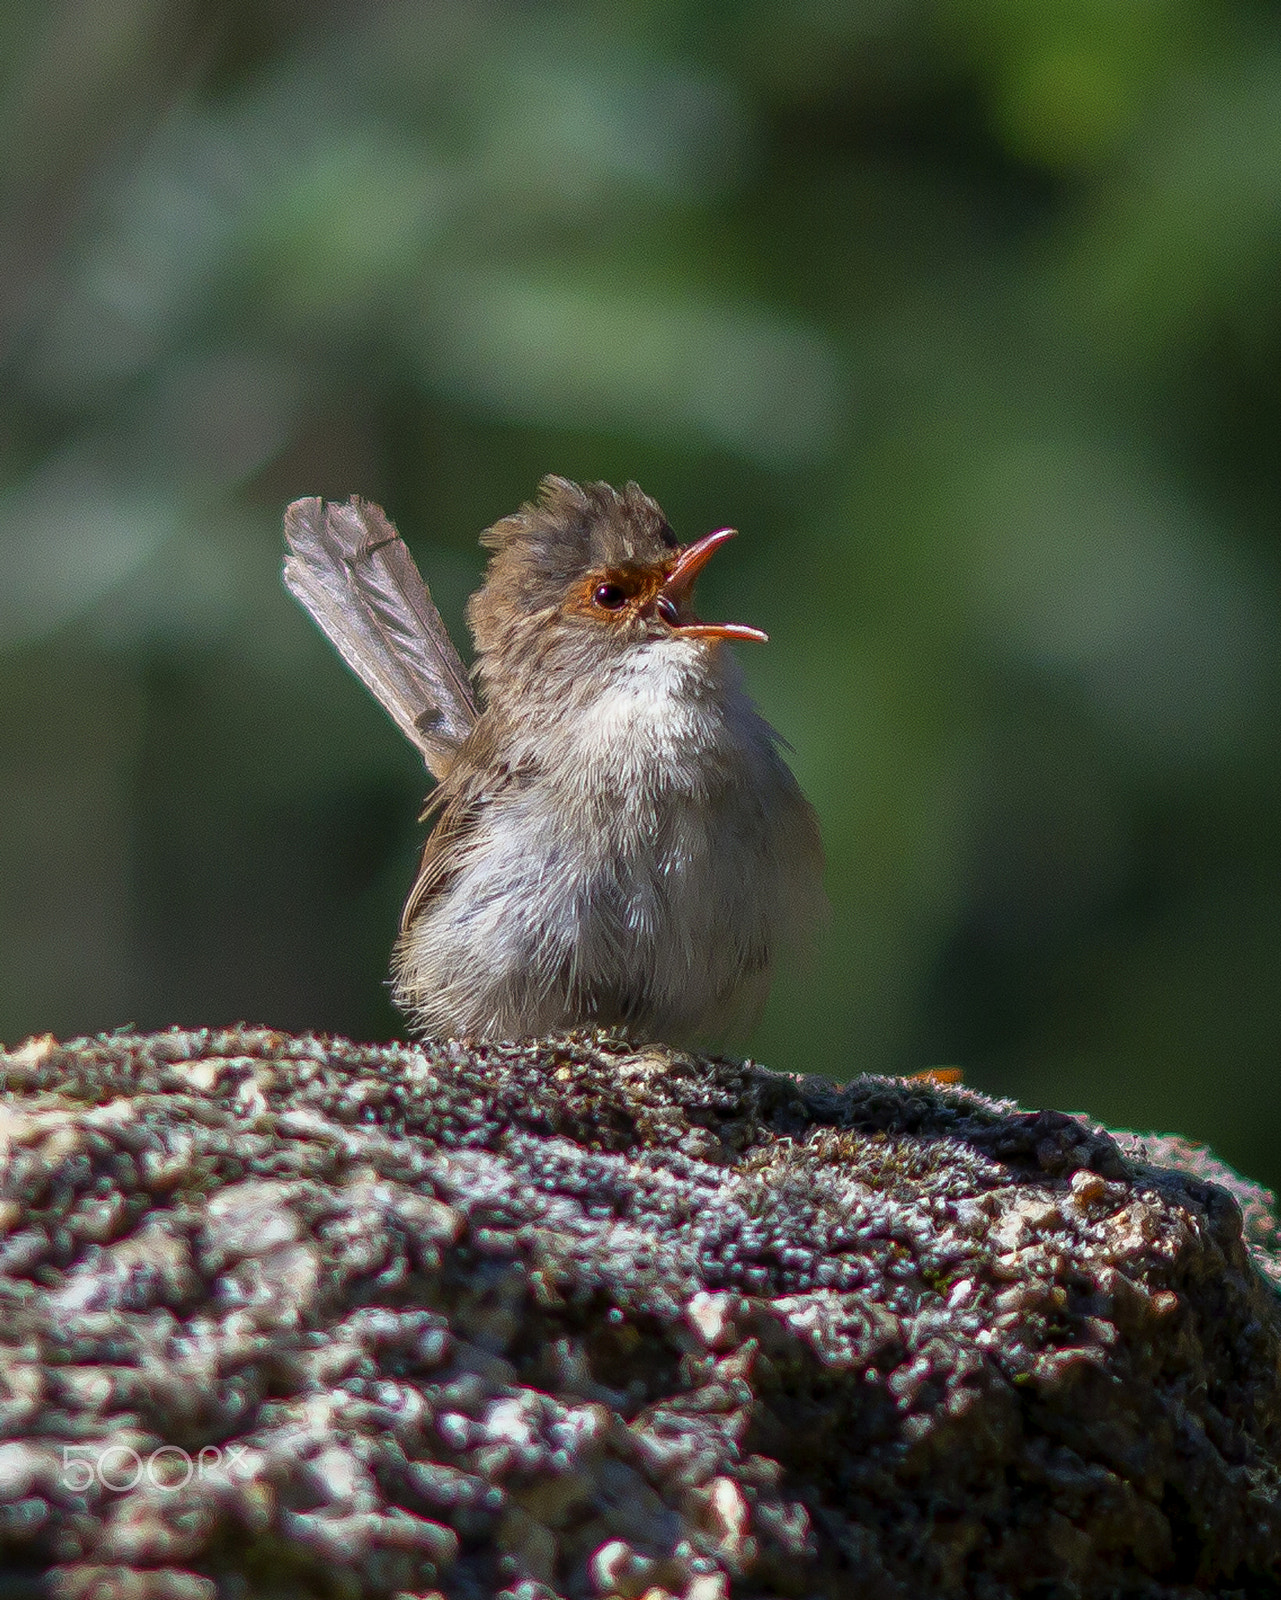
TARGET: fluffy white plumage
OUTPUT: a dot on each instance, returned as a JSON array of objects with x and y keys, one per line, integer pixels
[{"x": 648, "y": 875}]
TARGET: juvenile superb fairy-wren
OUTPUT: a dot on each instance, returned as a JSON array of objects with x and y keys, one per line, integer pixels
[{"x": 618, "y": 840}]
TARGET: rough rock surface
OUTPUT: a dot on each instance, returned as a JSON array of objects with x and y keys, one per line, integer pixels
[{"x": 290, "y": 1317}]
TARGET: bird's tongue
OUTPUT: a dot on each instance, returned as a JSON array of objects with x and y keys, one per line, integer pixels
[{"x": 680, "y": 584}]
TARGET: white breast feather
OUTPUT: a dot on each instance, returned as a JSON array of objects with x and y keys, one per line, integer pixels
[{"x": 673, "y": 887}]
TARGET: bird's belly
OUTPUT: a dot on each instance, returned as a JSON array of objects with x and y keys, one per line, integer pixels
[
  {"x": 644, "y": 878},
  {"x": 646, "y": 909}
]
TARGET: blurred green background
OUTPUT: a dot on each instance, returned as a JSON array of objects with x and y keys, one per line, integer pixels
[{"x": 967, "y": 315}]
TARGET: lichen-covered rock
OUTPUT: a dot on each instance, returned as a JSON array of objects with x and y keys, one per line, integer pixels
[{"x": 286, "y": 1317}]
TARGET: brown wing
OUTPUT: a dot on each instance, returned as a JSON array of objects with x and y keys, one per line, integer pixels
[
  {"x": 475, "y": 784},
  {"x": 440, "y": 859}
]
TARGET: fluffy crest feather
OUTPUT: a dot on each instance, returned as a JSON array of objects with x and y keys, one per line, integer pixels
[{"x": 570, "y": 529}]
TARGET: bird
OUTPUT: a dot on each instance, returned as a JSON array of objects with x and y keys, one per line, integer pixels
[{"x": 618, "y": 841}]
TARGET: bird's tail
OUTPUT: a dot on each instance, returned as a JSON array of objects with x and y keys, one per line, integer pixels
[{"x": 354, "y": 574}]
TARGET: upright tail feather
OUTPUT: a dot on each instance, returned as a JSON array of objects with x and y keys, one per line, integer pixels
[{"x": 353, "y": 572}]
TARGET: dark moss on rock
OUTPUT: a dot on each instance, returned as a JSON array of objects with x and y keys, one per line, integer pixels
[{"x": 291, "y": 1317}]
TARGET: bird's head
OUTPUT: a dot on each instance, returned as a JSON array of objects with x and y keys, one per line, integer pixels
[{"x": 581, "y": 577}]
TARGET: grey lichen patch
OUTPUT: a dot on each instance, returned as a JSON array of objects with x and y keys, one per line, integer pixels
[{"x": 291, "y": 1317}]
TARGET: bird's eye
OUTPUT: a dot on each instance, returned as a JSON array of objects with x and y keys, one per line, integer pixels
[{"x": 609, "y": 596}]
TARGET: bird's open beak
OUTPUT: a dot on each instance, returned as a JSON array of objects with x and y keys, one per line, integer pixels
[{"x": 674, "y": 597}]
